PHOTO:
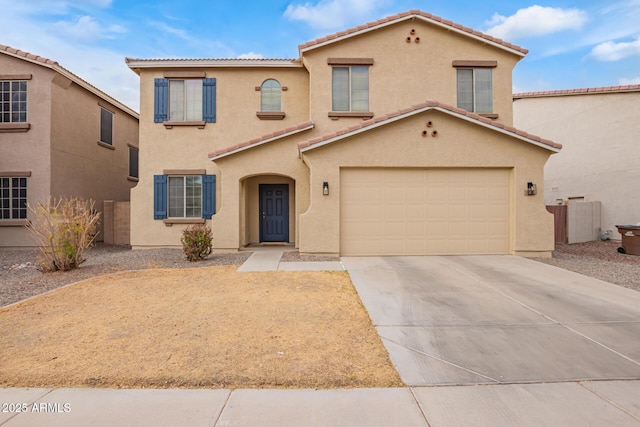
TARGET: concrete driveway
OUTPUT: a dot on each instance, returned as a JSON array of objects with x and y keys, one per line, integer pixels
[{"x": 552, "y": 345}]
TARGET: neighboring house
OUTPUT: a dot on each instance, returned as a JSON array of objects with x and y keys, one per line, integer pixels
[
  {"x": 598, "y": 128},
  {"x": 59, "y": 136},
  {"x": 394, "y": 137}
]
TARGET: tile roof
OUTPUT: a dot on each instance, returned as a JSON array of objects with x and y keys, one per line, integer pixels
[
  {"x": 291, "y": 130},
  {"x": 45, "y": 62},
  {"x": 428, "y": 105},
  {"x": 408, "y": 15},
  {"x": 136, "y": 63},
  {"x": 583, "y": 91}
]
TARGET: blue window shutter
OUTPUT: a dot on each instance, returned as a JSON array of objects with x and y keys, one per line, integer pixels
[
  {"x": 209, "y": 100},
  {"x": 161, "y": 100},
  {"x": 208, "y": 196},
  {"x": 159, "y": 196}
]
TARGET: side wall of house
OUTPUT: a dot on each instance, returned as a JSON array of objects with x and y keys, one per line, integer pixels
[
  {"x": 81, "y": 166},
  {"x": 27, "y": 151},
  {"x": 599, "y": 135}
]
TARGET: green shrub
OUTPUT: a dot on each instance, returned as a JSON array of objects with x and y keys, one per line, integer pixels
[
  {"x": 197, "y": 242},
  {"x": 63, "y": 229}
]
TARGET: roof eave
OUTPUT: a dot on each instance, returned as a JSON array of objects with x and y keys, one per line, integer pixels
[{"x": 137, "y": 64}]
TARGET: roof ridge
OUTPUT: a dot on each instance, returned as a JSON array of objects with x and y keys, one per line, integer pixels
[
  {"x": 60, "y": 69},
  {"x": 405, "y": 15},
  {"x": 579, "y": 91},
  {"x": 428, "y": 104}
]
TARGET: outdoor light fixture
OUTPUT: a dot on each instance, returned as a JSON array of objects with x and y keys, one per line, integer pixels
[
  {"x": 531, "y": 189},
  {"x": 325, "y": 188}
]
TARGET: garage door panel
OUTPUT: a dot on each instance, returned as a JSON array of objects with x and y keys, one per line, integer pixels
[{"x": 424, "y": 211}]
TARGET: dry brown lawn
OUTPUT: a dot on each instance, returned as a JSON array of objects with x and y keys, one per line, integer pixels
[{"x": 202, "y": 327}]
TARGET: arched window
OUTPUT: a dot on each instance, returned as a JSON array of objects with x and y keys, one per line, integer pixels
[{"x": 270, "y": 96}]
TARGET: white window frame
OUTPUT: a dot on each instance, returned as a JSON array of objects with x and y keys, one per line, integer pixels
[
  {"x": 185, "y": 104},
  {"x": 7, "y": 197},
  {"x": 349, "y": 89},
  {"x": 271, "y": 96},
  {"x": 196, "y": 209},
  {"x": 475, "y": 90},
  {"x": 7, "y": 101}
]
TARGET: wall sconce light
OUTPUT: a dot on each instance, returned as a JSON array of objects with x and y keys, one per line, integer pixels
[
  {"x": 325, "y": 188},
  {"x": 531, "y": 189}
]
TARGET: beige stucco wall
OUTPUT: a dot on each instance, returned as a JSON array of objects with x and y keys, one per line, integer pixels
[
  {"x": 404, "y": 74},
  {"x": 60, "y": 149},
  {"x": 401, "y": 144},
  {"x": 80, "y": 167},
  {"x": 599, "y": 135},
  {"x": 161, "y": 149},
  {"x": 28, "y": 151}
]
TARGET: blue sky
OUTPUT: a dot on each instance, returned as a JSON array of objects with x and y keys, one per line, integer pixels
[{"x": 572, "y": 44}]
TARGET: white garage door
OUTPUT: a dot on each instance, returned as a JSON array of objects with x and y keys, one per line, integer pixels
[{"x": 408, "y": 211}]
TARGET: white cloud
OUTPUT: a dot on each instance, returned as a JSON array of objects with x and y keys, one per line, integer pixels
[
  {"x": 536, "y": 21},
  {"x": 87, "y": 28},
  {"x": 250, "y": 55},
  {"x": 612, "y": 51},
  {"x": 632, "y": 81},
  {"x": 333, "y": 14}
]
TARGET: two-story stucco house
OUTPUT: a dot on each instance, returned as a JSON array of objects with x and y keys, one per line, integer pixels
[
  {"x": 598, "y": 128},
  {"x": 394, "y": 137},
  {"x": 59, "y": 136}
]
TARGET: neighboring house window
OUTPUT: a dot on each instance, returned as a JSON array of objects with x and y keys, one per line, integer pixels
[
  {"x": 184, "y": 196},
  {"x": 350, "y": 88},
  {"x": 133, "y": 162},
  {"x": 13, "y": 198},
  {"x": 270, "y": 96},
  {"x": 106, "y": 126},
  {"x": 13, "y": 101},
  {"x": 185, "y": 100},
  {"x": 475, "y": 89}
]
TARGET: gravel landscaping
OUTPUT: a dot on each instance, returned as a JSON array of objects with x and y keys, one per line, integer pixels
[{"x": 19, "y": 279}]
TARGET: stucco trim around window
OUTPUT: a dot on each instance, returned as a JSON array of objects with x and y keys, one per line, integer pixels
[
  {"x": 16, "y": 76},
  {"x": 270, "y": 115},
  {"x": 105, "y": 145},
  {"x": 184, "y": 74},
  {"x": 184, "y": 172},
  {"x": 14, "y": 127},
  {"x": 14, "y": 174},
  {"x": 350, "y": 61},
  {"x": 170, "y": 125},
  {"x": 474, "y": 64},
  {"x": 14, "y": 222},
  {"x": 170, "y": 221},
  {"x": 335, "y": 115}
]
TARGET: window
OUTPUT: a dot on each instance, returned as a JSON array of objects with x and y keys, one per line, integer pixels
[
  {"x": 185, "y": 101},
  {"x": 186, "y": 197},
  {"x": 13, "y": 198},
  {"x": 270, "y": 96},
  {"x": 13, "y": 101},
  {"x": 106, "y": 126},
  {"x": 475, "y": 91},
  {"x": 133, "y": 162},
  {"x": 350, "y": 88}
]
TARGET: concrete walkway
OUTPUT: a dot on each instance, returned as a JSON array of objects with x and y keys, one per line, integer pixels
[
  {"x": 267, "y": 258},
  {"x": 602, "y": 403}
]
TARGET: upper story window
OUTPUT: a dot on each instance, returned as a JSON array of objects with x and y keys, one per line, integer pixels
[
  {"x": 13, "y": 101},
  {"x": 106, "y": 126},
  {"x": 188, "y": 101},
  {"x": 350, "y": 88},
  {"x": 185, "y": 100},
  {"x": 475, "y": 85},
  {"x": 133, "y": 162},
  {"x": 270, "y": 96}
]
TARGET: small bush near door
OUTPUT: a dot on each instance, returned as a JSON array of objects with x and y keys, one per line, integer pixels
[{"x": 197, "y": 242}]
